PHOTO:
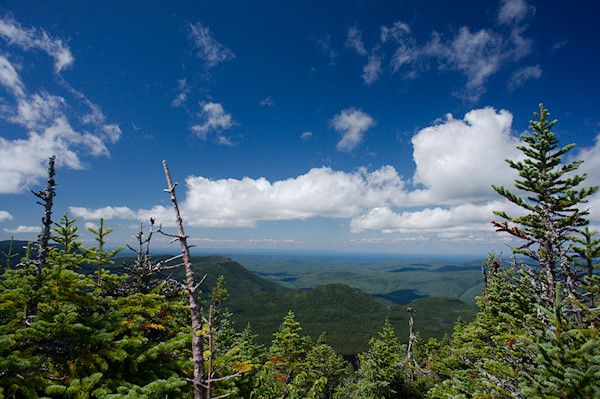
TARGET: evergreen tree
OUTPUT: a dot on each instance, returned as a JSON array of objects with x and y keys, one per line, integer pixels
[
  {"x": 553, "y": 206},
  {"x": 379, "y": 373},
  {"x": 296, "y": 368}
]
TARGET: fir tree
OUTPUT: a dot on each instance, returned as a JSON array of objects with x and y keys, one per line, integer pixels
[
  {"x": 379, "y": 373},
  {"x": 553, "y": 206}
]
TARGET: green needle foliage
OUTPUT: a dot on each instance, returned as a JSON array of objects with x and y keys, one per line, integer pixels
[{"x": 552, "y": 199}]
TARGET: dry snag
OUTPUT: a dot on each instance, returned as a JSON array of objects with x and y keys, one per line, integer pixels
[{"x": 201, "y": 381}]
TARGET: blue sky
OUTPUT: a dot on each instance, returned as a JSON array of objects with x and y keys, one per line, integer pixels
[{"x": 350, "y": 126}]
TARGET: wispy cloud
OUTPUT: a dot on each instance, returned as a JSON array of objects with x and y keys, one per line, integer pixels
[
  {"x": 305, "y": 136},
  {"x": 267, "y": 102},
  {"x": 372, "y": 69},
  {"x": 209, "y": 50},
  {"x": 324, "y": 43},
  {"x": 522, "y": 75},
  {"x": 182, "y": 92},
  {"x": 354, "y": 41},
  {"x": 477, "y": 54},
  {"x": 352, "y": 124},
  {"x": 32, "y": 38}
]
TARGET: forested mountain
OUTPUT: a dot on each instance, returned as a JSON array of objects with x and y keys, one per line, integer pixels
[{"x": 331, "y": 309}]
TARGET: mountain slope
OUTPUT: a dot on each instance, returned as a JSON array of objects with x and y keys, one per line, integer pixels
[{"x": 347, "y": 316}]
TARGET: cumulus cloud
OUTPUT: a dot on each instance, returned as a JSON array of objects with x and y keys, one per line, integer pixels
[
  {"x": 23, "y": 161},
  {"x": 458, "y": 160},
  {"x": 467, "y": 217},
  {"x": 4, "y": 215},
  {"x": 31, "y": 38},
  {"x": 591, "y": 162},
  {"x": 354, "y": 41},
  {"x": 352, "y": 124},
  {"x": 321, "y": 192},
  {"x": 456, "y": 163},
  {"x": 209, "y": 50},
  {"x": 521, "y": 75},
  {"x": 215, "y": 118},
  {"x": 23, "y": 230},
  {"x": 45, "y": 117}
]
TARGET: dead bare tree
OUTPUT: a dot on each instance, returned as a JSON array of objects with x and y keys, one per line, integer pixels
[
  {"x": 47, "y": 201},
  {"x": 409, "y": 361},
  {"x": 143, "y": 272},
  {"x": 202, "y": 382}
]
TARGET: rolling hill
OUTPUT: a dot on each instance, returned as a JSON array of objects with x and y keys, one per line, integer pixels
[{"x": 347, "y": 316}]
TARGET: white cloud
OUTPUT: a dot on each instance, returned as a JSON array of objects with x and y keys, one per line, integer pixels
[
  {"x": 462, "y": 218},
  {"x": 456, "y": 163},
  {"x": 397, "y": 32},
  {"x": 90, "y": 225},
  {"x": 267, "y": 102},
  {"x": 324, "y": 43},
  {"x": 352, "y": 123},
  {"x": 32, "y": 38},
  {"x": 4, "y": 215},
  {"x": 209, "y": 50},
  {"x": 521, "y": 75},
  {"x": 591, "y": 162},
  {"x": 372, "y": 69},
  {"x": 458, "y": 160},
  {"x": 222, "y": 140},
  {"x": 23, "y": 161},
  {"x": 23, "y": 230},
  {"x": 9, "y": 78},
  {"x": 306, "y": 136},
  {"x": 183, "y": 90},
  {"x": 354, "y": 41},
  {"x": 512, "y": 11},
  {"x": 43, "y": 116},
  {"x": 107, "y": 212},
  {"x": 321, "y": 192},
  {"x": 478, "y": 54},
  {"x": 215, "y": 118}
]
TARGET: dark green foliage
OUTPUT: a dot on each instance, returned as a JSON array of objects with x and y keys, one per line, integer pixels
[
  {"x": 297, "y": 368},
  {"x": 333, "y": 309},
  {"x": 552, "y": 205},
  {"x": 379, "y": 373}
]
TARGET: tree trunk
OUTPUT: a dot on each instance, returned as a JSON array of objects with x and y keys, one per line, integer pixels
[{"x": 197, "y": 339}]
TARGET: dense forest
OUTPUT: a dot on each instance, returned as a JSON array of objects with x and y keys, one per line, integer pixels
[{"x": 74, "y": 326}]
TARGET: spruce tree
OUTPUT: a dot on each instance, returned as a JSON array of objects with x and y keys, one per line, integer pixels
[{"x": 552, "y": 198}]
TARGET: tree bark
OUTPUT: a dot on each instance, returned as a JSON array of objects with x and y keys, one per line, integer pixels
[{"x": 191, "y": 287}]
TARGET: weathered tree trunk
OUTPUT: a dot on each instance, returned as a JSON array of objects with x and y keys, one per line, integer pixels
[
  {"x": 191, "y": 287},
  {"x": 47, "y": 201}
]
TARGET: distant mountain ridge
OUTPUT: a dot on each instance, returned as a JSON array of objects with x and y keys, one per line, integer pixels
[{"x": 349, "y": 317}]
